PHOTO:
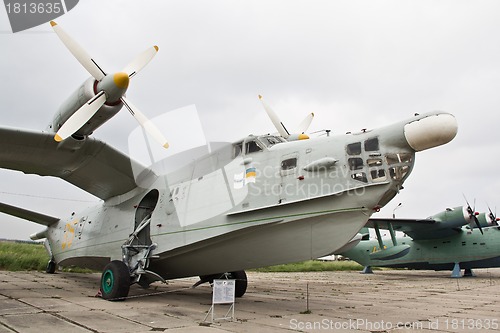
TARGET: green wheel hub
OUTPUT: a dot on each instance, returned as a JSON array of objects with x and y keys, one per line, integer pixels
[{"x": 108, "y": 281}]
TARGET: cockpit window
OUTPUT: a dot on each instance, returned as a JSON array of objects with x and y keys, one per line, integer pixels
[
  {"x": 354, "y": 148},
  {"x": 270, "y": 140},
  {"x": 237, "y": 148},
  {"x": 399, "y": 172},
  {"x": 371, "y": 144},
  {"x": 355, "y": 163},
  {"x": 252, "y": 147},
  {"x": 374, "y": 162},
  {"x": 360, "y": 176},
  {"x": 399, "y": 158},
  {"x": 378, "y": 175}
]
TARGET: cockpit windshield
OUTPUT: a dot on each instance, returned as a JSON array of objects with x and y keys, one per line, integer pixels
[{"x": 270, "y": 140}]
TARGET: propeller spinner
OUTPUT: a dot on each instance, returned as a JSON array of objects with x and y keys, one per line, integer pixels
[{"x": 111, "y": 89}]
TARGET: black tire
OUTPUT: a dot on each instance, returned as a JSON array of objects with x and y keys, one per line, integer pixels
[
  {"x": 241, "y": 282},
  {"x": 51, "y": 267},
  {"x": 115, "y": 281}
]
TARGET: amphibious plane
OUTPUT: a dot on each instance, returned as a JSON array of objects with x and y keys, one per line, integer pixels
[
  {"x": 457, "y": 238},
  {"x": 260, "y": 201}
]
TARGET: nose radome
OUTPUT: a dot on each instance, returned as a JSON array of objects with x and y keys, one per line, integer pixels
[{"x": 431, "y": 131}]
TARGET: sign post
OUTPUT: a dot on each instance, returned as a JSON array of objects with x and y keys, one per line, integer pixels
[{"x": 223, "y": 293}]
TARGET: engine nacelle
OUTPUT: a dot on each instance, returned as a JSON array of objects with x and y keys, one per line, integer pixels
[
  {"x": 486, "y": 220},
  {"x": 453, "y": 217},
  {"x": 81, "y": 96}
]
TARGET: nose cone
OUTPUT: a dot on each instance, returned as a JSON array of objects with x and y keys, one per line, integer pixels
[
  {"x": 114, "y": 85},
  {"x": 121, "y": 80},
  {"x": 431, "y": 131}
]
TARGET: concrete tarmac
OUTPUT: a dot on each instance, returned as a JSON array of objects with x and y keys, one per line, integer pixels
[{"x": 387, "y": 301}]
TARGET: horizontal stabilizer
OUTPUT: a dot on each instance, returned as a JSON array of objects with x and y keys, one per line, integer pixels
[{"x": 28, "y": 215}]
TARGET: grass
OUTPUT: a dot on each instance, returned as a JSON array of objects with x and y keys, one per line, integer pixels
[
  {"x": 313, "y": 266},
  {"x": 28, "y": 257},
  {"x": 23, "y": 257}
]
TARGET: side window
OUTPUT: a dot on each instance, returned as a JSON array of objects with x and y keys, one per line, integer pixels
[
  {"x": 360, "y": 176},
  {"x": 378, "y": 175},
  {"x": 237, "y": 148},
  {"x": 252, "y": 147},
  {"x": 355, "y": 163},
  {"x": 398, "y": 158},
  {"x": 374, "y": 162},
  {"x": 405, "y": 157},
  {"x": 399, "y": 172},
  {"x": 289, "y": 164},
  {"x": 371, "y": 144},
  {"x": 354, "y": 148}
]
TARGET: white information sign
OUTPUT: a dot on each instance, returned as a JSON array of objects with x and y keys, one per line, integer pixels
[{"x": 223, "y": 291}]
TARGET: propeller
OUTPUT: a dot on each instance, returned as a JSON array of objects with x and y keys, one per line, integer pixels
[
  {"x": 472, "y": 215},
  {"x": 493, "y": 217},
  {"x": 280, "y": 127},
  {"x": 111, "y": 89},
  {"x": 304, "y": 124},
  {"x": 80, "y": 117}
]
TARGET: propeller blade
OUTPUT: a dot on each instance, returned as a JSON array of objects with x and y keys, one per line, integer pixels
[
  {"x": 493, "y": 217},
  {"x": 78, "y": 52},
  {"x": 473, "y": 216},
  {"x": 304, "y": 124},
  {"x": 80, "y": 117},
  {"x": 140, "y": 61},
  {"x": 274, "y": 118},
  {"x": 147, "y": 124},
  {"x": 477, "y": 223}
]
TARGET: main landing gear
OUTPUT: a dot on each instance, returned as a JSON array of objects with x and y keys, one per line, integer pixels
[
  {"x": 239, "y": 276},
  {"x": 51, "y": 267},
  {"x": 118, "y": 275},
  {"x": 115, "y": 281}
]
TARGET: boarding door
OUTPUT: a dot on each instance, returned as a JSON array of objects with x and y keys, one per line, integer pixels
[{"x": 289, "y": 174}]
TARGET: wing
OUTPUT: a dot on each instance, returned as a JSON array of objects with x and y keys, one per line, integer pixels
[
  {"x": 91, "y": 165},
  {"x": 28, "y": 215},
  {"x": 417, "y": 229}
]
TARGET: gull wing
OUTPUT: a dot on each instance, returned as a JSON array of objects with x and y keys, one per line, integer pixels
[{"x": 91, "y": 165}]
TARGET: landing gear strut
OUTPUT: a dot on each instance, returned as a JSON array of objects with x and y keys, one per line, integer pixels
[{"x": 51, "y": 265}]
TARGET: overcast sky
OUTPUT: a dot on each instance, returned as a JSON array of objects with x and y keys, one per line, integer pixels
[{"x": 355, "y": 64}]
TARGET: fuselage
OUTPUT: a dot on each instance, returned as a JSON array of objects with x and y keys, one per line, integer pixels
[
  {"x": 469, "y": 248},
  {"x": 256, "y": 202}
]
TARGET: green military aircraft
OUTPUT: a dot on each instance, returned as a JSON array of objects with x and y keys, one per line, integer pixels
[
  {"x": 262, "y": 200},
  {"x": 457, "y": 238}
]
